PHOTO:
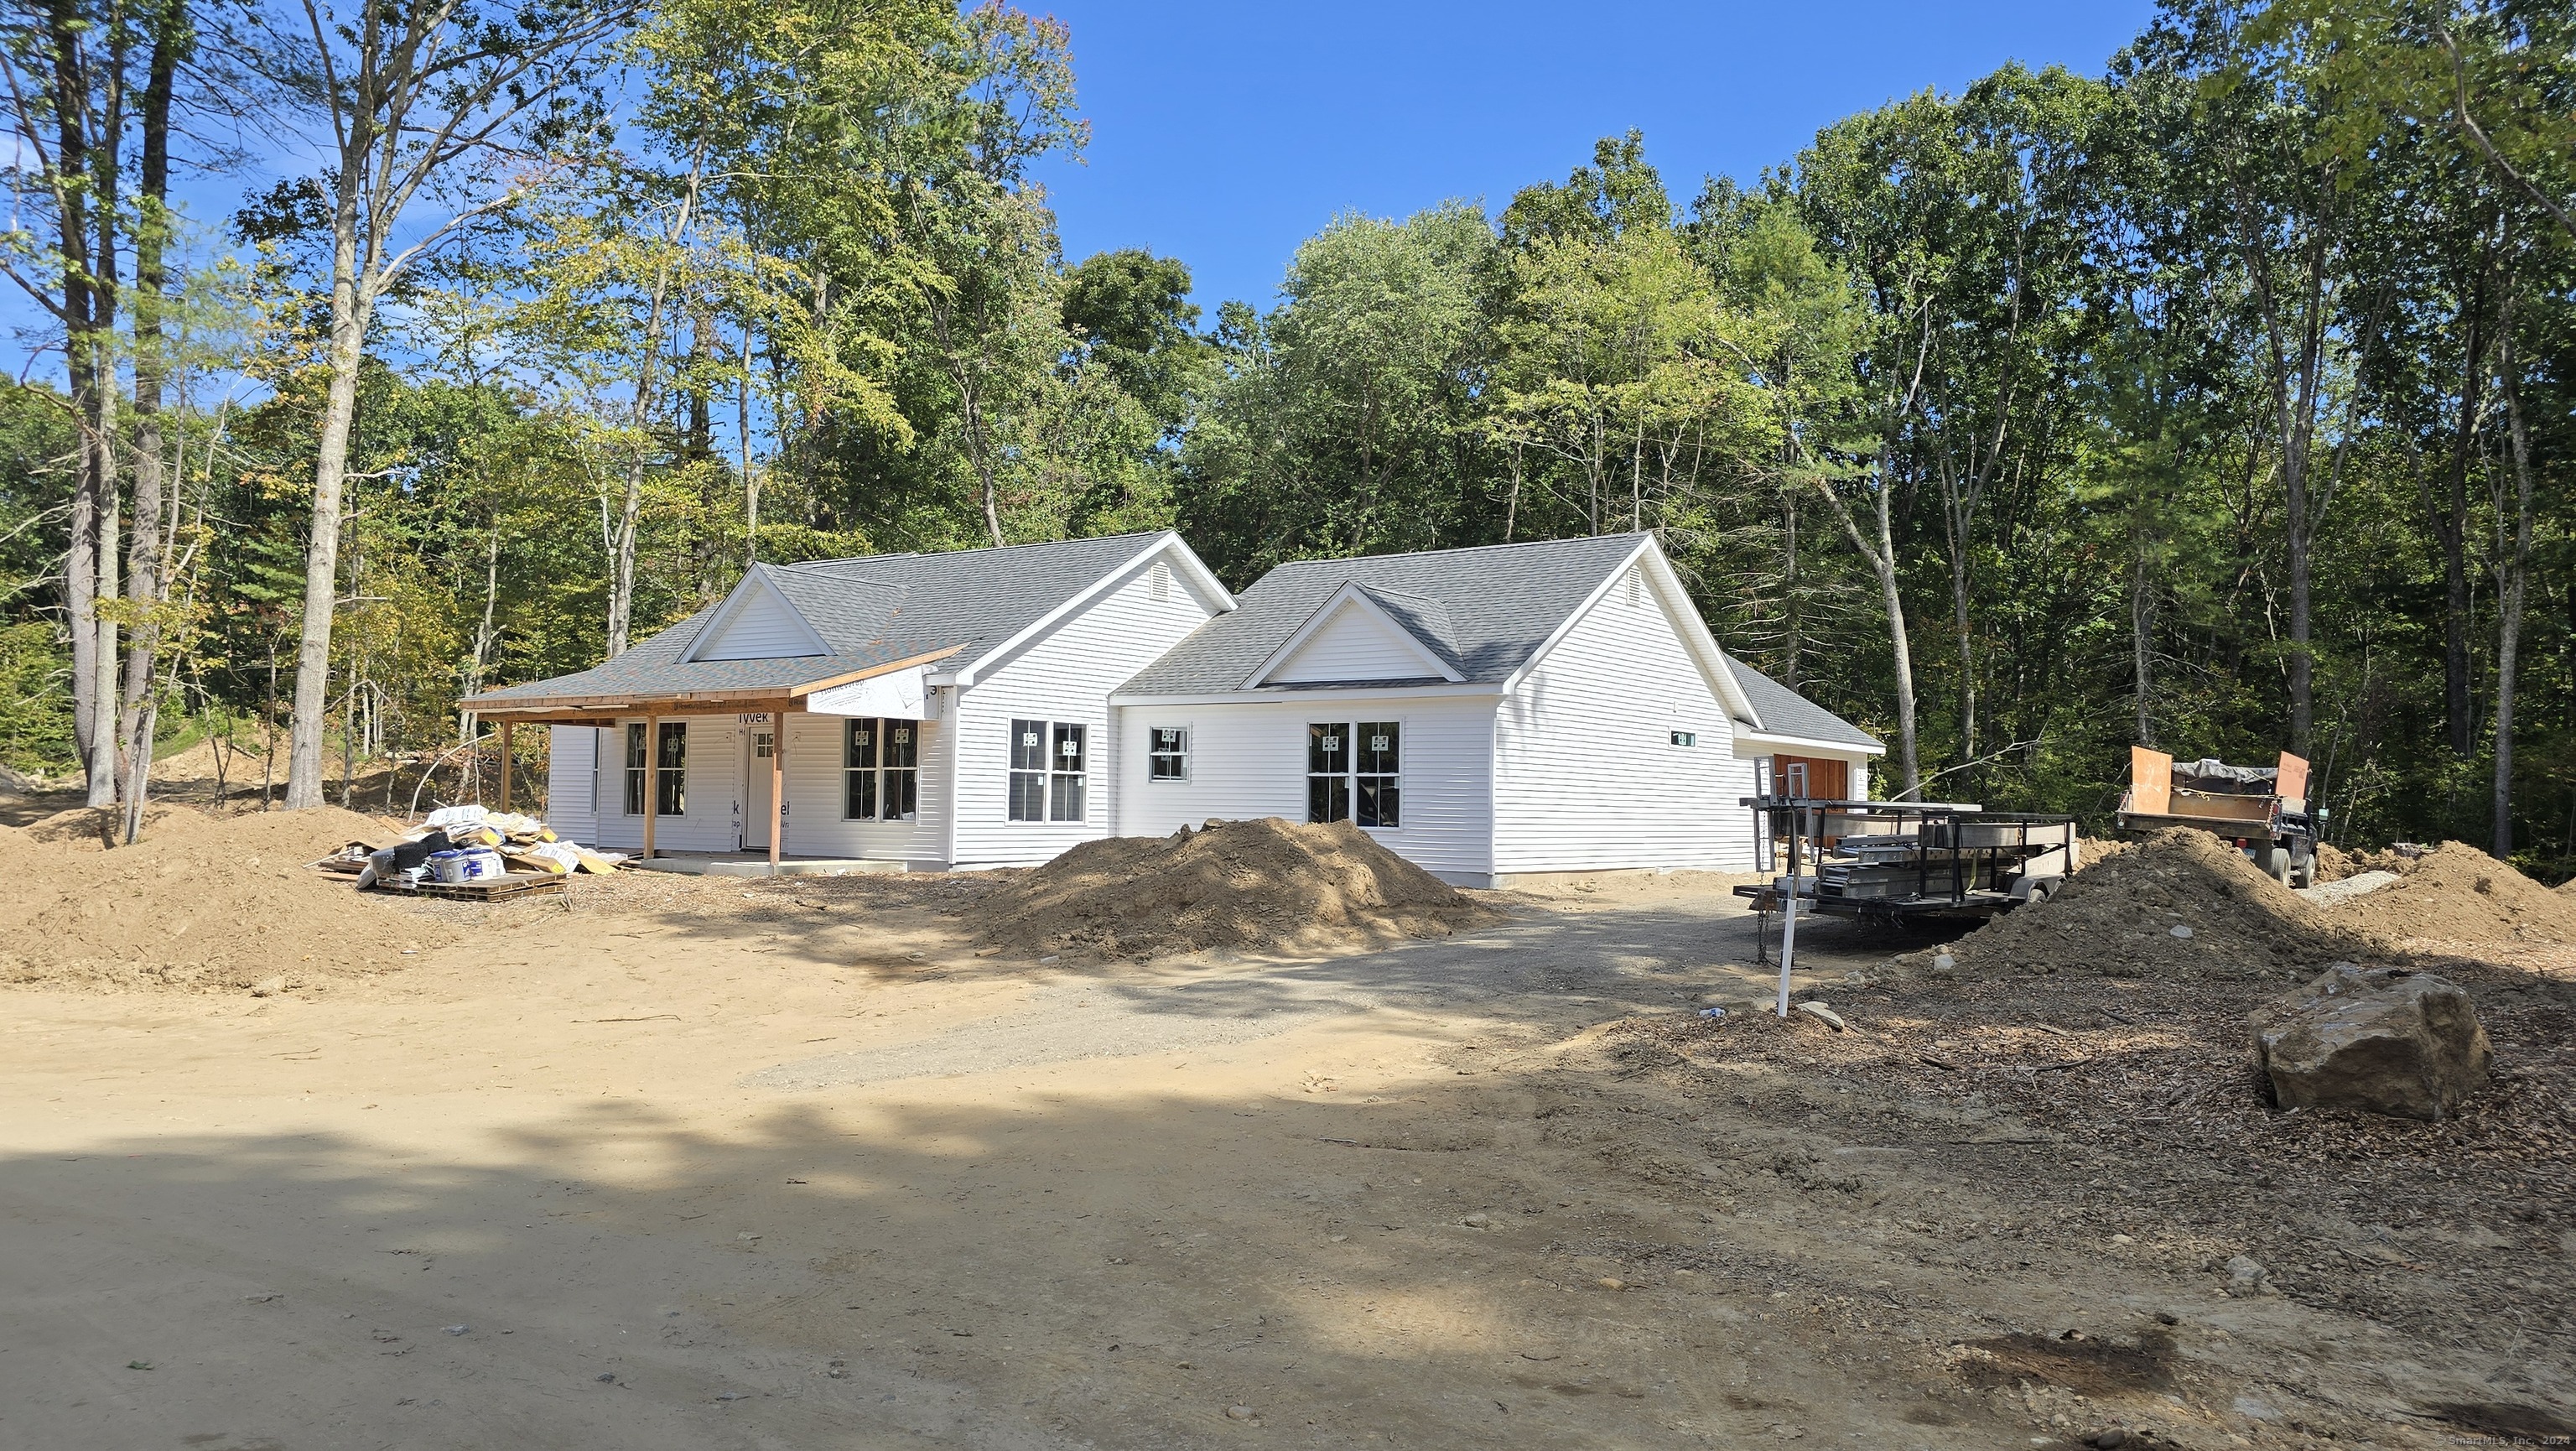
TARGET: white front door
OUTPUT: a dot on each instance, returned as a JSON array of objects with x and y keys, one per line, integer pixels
[{"x": 759, "y": 743}]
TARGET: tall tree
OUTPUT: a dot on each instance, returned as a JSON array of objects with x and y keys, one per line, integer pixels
[{"x": 450, "y": 98}]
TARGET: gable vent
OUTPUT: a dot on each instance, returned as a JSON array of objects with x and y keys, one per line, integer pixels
[
  {"x": 1636, "y": 585},
  {"x": 1159, "y": 582}
]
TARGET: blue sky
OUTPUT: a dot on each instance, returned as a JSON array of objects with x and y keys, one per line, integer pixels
[{"x": 1224, "y": 133}]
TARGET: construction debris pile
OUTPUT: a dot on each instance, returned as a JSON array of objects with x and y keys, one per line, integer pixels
[
  {"x": 1257, "y": 886},
  {"x": 203, "y": 903},
  {"x": 461, "y": 845}
]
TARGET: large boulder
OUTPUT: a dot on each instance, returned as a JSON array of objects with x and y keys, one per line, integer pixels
[{"x": 2379, "y": 1039}]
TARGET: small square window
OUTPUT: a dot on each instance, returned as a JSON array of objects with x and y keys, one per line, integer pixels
[
  {"x": 1685, "y": 738},
  {"x": 1167, "y": 754}
]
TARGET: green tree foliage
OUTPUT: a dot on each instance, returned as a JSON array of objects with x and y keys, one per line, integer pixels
[{"x": 2219, "y": 402}]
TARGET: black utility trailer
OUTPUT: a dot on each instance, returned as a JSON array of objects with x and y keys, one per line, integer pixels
[{"x": 1899, "y": 861}]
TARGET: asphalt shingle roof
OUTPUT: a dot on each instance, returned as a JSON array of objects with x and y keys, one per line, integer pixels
[
  {"x": 1485, "y": 610},
  {"x": 1785, "y": 712},
  {"x": 871, "y": 611}
]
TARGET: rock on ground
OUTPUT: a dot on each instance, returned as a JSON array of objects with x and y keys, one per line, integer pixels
[{"x": 2382, "y": 1040}]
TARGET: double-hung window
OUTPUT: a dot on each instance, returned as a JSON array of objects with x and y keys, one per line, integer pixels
[
  {"x": 1049, "y": 770},
  {"x": 859, "y": 769},
  {"x": 667, "y": 767},
  {"x": 1354, "y": 772},
  {"x": 1167, "y": 754},
  {"x": 900, "y": 796},
  {"x": 1328, "y": 771},
  {"x": 880, "y": 769},
  {"x": 1066, "y": 776},
  {"x": 638, "y": 767}
]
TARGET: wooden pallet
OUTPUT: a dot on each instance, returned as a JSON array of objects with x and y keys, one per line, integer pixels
[{"x": 490, "y": 889}]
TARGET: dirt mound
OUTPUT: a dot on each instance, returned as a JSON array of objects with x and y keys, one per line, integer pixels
[
  {"x": 2457, "y": 893},
  {"x": 2092, "y": 851},
  {"x": 97, "y": 828},
  {"x": 2334, "y": 863},
  {"x": 2181, "y": 903},
  {"x": 208, "y": 904},
  {"x": 1260, "y": 886}
]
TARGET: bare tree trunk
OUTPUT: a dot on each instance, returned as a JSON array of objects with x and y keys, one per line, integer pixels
[
  {"x": 2451, "y": 528},
  {"x": 621, "y": 587},
  {"x": 742, "y": 439},
  {"x": 352, "y": 307},
  {"x": 1966, "y": 637},
  {"x": 2142, "y": 610},
  {"x": 1882, "y": 563},
  {"x": 2516, "y": 580},
  {"x": 146, "y": 565},
  {"x": 1793, "y": 645}
]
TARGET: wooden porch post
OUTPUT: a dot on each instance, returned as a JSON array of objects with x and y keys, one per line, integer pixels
[
  {"x": 652, "y": 777},
  {"x": 777, "y": 782},
  {"x": 506, "y": 723}
]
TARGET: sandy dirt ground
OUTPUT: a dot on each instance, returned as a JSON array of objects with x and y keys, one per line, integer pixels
[{"x": 694, "y": 1163}]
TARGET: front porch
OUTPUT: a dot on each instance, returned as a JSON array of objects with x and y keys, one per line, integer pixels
[
  {"x": 698, "y": 781},
  {"x": 758, "y": 864}
]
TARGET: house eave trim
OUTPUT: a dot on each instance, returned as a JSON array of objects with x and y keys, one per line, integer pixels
[
  {"x": 1275, "y": 694},
  {"x": 1798, "y": 745}
]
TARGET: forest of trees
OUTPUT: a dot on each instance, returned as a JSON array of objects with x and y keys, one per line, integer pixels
[{"x": 2221, "y": 401}]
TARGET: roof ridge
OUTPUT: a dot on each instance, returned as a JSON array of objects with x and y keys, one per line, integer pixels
[
  {"x": 1462, "y": 549},
  {"x": 982, "y": 548}
]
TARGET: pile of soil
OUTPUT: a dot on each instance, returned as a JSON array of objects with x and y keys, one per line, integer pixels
[
  {"x": 2092, "y": 851},
  {"x": 203, "y": 904},
  {"x": 1257, "y": 886},
  {"x": 2181, "y": 903},
  {"x": 2334, "y": 863},
  {"x": 2457, "y": 893},
  {"x": 97, "y": 828}
]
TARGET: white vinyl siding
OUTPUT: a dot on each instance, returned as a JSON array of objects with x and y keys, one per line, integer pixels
[
  {"x": 1586, "y": 775},
  {"x": 817, "y": 781},
  {"x": 1248, "y": 760},
  {"x": 572, "y": 775},
  {"x": 764, "y": 628},
  {"x": 713, "y": 789},
  {"x": 1063, "y": 678},
  {"x": 1355, "y": 643}
]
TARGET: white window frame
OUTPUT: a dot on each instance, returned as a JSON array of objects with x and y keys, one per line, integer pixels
[
  {"x": 887, "y": 783},
  {"x": 1350, "y": 775},
  {"x": 1189, "y": 736},
  {"x": 653, "y": 769},
  {"x": 1079, "y": 778},
  {"x": 1053, "y": 786}
]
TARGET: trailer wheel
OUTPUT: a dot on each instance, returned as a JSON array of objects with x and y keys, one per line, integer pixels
[{"x": 2272, "y": 861}]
